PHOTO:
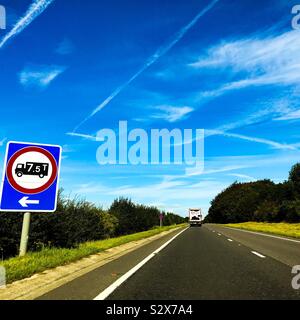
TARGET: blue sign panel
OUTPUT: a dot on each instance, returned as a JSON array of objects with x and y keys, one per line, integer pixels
[{"x": 30, "y": 177}]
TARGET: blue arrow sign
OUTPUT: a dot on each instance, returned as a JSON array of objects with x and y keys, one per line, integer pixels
[{"x": 30, "y": 177}]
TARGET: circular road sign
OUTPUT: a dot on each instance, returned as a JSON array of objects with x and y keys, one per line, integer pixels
[{"x": 31, "y": 170}]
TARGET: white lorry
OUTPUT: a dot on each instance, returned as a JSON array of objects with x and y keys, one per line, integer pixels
[{"x": 195, "y": 217}]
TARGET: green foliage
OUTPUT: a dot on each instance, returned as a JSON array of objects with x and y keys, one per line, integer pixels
[
  {"x": 291, "y": 210},
  {"x": 294, "y": 178},
  {"x": 135, "y": 218},
  {"x": 268, "y": 210},
  {"x": 77, "y": 221},
  {"x": 260, "y": 201},
  {"x": 171, "y": 218}
]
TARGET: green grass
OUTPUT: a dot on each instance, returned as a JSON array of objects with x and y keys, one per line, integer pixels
[
  {"x": 282, "y": 229},
  {"x": 34, "y": 262}
]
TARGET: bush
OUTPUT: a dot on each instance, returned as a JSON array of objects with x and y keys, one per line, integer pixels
[
  {"x": 291, "y": 210},
  {"x": 267, "y": 211},
  {"x": 239, "y": 201},
  {"x": 260, "y": 201},
  {"x": 135, "y": 218},
  {"x": 77, "y": 221},
  {"x": 294, "y": 178}
]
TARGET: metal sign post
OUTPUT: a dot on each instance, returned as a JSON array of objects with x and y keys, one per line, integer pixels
[
  {"x": 2, "y": 277},
  {"x": 25, "y": 234}
]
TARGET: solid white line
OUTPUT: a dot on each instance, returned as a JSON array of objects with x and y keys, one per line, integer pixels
[
  {"x": 258, "y": 254},
  {"x": 109, "y": 290},
  {"x": 264, "y": 234},
  {"x": 229, "y": 240}
]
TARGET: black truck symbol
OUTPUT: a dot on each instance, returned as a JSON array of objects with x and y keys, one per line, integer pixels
[{"x": 32, "y": 169}]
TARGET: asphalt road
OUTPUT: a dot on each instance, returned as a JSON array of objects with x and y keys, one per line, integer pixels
[{"x": 210, "y": 262}]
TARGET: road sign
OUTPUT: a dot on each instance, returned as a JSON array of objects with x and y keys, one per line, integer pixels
[{"x": 30, "y": 177}]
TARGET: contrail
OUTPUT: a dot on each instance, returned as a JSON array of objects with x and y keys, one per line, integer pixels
[
  {"x": 85, "y": 136},
  {"x": 271, "y": 143},
  {"x": 35, "y": 9},
  {"x": 159, "y": 53}
]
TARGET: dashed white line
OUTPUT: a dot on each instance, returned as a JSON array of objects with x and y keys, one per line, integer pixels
[
  {"x": 264, "y": 234},
  {"x": 219, "y": 234},
  {"x": 258, "y": 254},
  {"x": 230, "y": 240},
  {"x": 109, "y": 290}
]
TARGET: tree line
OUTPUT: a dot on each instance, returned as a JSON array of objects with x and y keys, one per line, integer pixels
[
  {"x": 261, "y": 201},
  {"x": 76, "y": 221}
]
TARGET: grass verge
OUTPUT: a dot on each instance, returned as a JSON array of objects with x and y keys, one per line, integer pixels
[
  {"x": 18, "y": 268},
  {"x": 282, "y": 228}
]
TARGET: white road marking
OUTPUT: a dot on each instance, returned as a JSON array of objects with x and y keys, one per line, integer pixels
[
  {"x": 258, "y": 254},
  {"x": 264, "y": 234},
  {"x": 109, "y": 290},
  {"x": 219, "y": 234},
  {"x": 229, "y": 240}
]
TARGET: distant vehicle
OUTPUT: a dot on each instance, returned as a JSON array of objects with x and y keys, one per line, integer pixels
[
  {"x": 195, "y": 217},
  {"x": 32, "y": 169}
]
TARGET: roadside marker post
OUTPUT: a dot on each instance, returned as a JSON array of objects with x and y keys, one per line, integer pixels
[
  {"x": 161, "y": 217},
  {"x": 30, "y": 182}
]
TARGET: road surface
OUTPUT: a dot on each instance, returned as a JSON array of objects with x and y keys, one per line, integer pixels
[{"x": 210, "y": 262}]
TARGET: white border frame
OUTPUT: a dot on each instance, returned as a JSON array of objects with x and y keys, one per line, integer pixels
[{"x": 57, "y": 177}]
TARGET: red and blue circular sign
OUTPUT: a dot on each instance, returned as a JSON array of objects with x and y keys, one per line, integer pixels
[
  {"x": 30, "y": 177},
  {"x": 32, "y": 154}
]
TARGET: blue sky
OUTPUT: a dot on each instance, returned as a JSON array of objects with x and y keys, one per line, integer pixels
[{"x": 232, "y": 69}]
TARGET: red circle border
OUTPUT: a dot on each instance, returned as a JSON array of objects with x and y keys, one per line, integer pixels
[{"x": 16, "y": 186}]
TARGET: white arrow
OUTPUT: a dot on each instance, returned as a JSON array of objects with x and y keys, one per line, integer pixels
[{"x": 24, "y": 202}]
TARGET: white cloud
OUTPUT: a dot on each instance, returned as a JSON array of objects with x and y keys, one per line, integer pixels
[
  {"x": 35, "y": 9},
  {"x": 161, "y": 51},
  {"x": 241, "y": 176},
  {"x": 221, "y": 169},
  {"x": 255, "y": 61},
  {"x": 67, "y": 148},
  {"x": 157, "y": 192},
  {"x": 2, "y": 142},
  {"x": 65, "y": 47},
  {"x": 266, "y": 110},
  {"x": 294, "y": 115},
  {"x": 260, "y": 115},
  {"x": 40, "y": 76},
  {"x": 172, "y": 113}
]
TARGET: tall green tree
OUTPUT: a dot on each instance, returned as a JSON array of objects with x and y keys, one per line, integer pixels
[{"x": 294, "y": 178}]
